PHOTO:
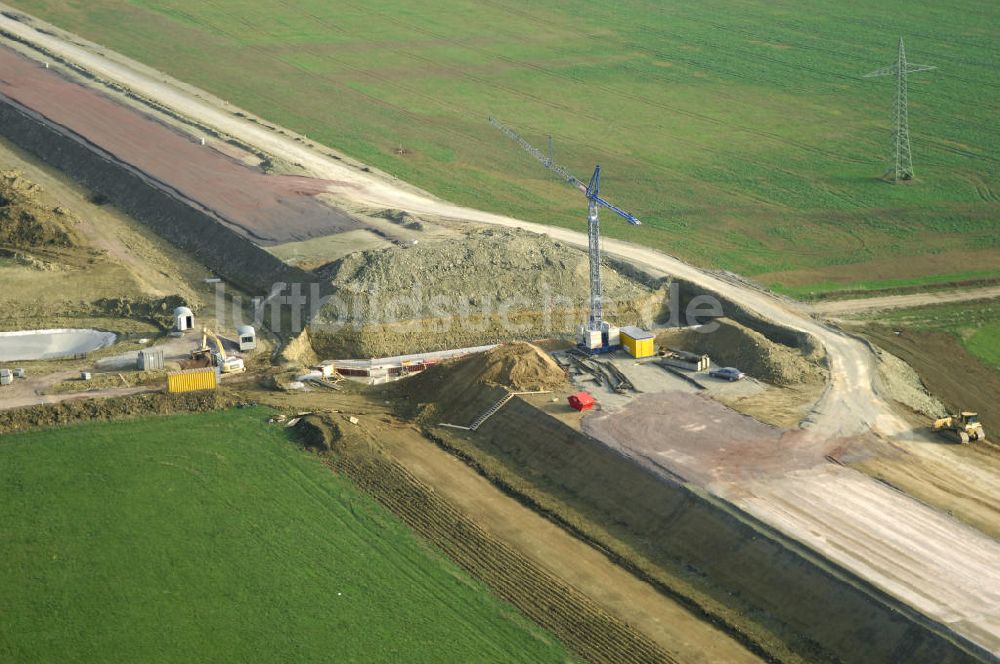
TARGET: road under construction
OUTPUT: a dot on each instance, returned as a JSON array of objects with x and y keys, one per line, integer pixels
[{"x": 793, "y": 480}]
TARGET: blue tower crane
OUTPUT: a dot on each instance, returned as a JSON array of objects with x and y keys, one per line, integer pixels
[{"x": 596, "y": 334}]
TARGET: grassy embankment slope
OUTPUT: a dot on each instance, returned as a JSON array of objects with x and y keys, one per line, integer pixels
[
  {"x": 742, "y": 133},
  {"x": 212, "y": 537}
]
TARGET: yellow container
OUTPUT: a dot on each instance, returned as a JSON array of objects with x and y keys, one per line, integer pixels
[
  {"x": 192, "y": 380},
  {"x": 637, "y": 342}
]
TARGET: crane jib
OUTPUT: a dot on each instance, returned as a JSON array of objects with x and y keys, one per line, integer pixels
[{"x": 630, "y": 218}]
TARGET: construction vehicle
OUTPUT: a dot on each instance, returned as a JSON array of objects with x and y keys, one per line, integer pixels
[
  {"x": 596, "y": 335},
  {"x": 963, "y": 427},
  {"x": 217, "y": 357}
]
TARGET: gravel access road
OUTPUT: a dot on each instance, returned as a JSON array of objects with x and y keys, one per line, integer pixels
[{"x": 862, "y": 305}]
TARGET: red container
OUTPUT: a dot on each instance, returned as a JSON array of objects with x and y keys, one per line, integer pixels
[{"x": 581, "y": 401}]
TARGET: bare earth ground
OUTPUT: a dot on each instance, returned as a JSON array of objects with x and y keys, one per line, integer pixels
[
  {"x": 666, "y": 622},
  {"x": 925, "y": 558},
  {"x": 780, "y": 477},
  {"x": 156, "y": 267},
  {"x": 634, "y": 601},
  {"x": 841, "y": 307}
]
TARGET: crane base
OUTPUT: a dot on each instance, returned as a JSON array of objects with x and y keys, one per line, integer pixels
[{"x": 600, "y": 350}]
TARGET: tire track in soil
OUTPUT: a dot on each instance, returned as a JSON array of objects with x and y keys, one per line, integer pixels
[{"x": 574, "y": 618}]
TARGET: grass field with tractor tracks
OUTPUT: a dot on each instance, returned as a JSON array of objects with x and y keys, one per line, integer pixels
[
  {"x": 743, "y": 134},
  {"x": 214, "y": 537}
]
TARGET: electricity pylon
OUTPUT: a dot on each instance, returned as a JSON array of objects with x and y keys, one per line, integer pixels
[{"x": 902, "y": 168}]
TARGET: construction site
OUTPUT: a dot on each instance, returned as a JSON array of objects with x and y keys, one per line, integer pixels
[{"x": 651, "y": 460}]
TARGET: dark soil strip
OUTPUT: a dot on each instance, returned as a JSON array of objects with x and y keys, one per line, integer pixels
[{"x": 962, "y": 380}]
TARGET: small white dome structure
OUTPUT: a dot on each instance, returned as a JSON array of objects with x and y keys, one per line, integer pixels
[
  {"x": 247, "y": 337},
  {"x": 183, "y": 319}
]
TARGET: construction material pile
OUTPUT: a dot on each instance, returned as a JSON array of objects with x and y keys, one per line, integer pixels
[
  {"x": 28, "y": 219},
  {"x": 493, "y": 286},
  {"x": 750, "y": 351},
  {"x": 461, "y": 388},
  {"x": 518, "y": 366}
]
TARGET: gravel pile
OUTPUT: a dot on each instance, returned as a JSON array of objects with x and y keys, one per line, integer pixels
[
  {"x": 493, "y": 286},
  {"x": 900, "y": 382}
]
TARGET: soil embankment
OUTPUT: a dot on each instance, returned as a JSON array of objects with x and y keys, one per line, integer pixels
[
  {"x": 180, "y": 221},
  {"x": 115, "y": 408},
  {"x": 727, "y": 564},
  {"x": 947, "y": 369},
  {"x": 268, "y": 209},
  {"x": 579, "y": 622}
]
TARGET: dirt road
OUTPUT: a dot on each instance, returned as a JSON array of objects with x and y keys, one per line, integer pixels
[
  {"x": 782, "y": 478},
  {"x": 23, "y": 393},
  {"x": 863, "y": 305},
  {"x": 889, "y": 538},
  {"x": 636, "y": 602}
]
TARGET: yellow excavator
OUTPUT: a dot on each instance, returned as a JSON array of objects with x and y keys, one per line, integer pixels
[
  {"x": 217, "y": 356},
  {"x": 965, "y": 427}
]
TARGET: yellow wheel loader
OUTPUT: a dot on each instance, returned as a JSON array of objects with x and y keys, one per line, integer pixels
[{"x": 963, "y": 428}]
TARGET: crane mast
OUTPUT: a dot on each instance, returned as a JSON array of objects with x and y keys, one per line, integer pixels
[{"x": 598, "y": 333}]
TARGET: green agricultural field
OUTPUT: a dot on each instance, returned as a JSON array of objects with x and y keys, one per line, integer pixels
[
  {"x": 741, "y": 131},
  {"x": 213, "y": 538}
]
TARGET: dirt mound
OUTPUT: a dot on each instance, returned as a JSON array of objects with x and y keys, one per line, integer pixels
[
  {"x": 486, "y": 267},
  {"x": 28, "y": 219},
  {"x": 521, "y": 367},
  {"x": 318, "y": 433},
  {"x": 902, "y": 383},
  {"x": 734, "y": 345},
  {"x": 462, "y": 388},
  {"x": 518, "y": 366},
  {"x": 492, "y": 286}
]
